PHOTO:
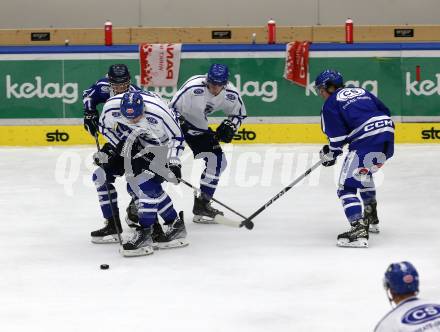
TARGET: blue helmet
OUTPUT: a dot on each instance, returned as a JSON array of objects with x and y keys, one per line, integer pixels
[
  {"x": 132, "y": 105},
  {"x": 402, "y": 278},
  {"x": 218, "y": 74},
  {"x": 328, "y": 78}
]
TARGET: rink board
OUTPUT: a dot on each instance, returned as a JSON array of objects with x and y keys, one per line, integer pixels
[{"x": 248, "y": 134}]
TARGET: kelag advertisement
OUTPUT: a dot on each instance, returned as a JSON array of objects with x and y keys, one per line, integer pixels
[{"x": 35, "y": 87}]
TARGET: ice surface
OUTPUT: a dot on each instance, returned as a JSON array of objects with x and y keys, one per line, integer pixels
[{"x": 285, "y": 275}]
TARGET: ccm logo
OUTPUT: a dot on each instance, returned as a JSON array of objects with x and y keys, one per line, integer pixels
[
  {"x": 57, "y": 136},
  {"x": 378, "y": 124},
  {"x": 245, "y": 135},
  {"x": 431, "y": 133}
]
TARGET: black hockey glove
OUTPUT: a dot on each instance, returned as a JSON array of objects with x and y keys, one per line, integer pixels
[
  {"x": 183, "y": 124},
  {"x": 106, "y": 156},
  {"x": 91, "y": 120},
  {"x": 226, "y": 131},
  {"x": 327, "y": 157},
  {"x": 142, "y": 162},
  {"x": 176, "y": 169}
]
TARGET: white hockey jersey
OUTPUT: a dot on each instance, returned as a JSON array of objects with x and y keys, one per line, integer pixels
[
  {"x": 194, "y": 102},
  {"x": 411, "y": 315},
  {"x": 158, "y": 127}
]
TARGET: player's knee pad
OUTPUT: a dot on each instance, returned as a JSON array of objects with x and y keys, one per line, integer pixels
[
  {"x": 99, "y": 177},
  {"x": 223, "y": 163},
  {"x": 215, "y": 162}
]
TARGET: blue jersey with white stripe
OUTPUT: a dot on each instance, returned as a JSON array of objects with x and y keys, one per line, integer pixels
[
  {"x": 99, "y": 93},
  {"x": 356, "y": 117},
  {"x": 157, "y": 127}
]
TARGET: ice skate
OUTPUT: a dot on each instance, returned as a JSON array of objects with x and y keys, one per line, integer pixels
[
  {"x": 174, "y": 236},
  {"x": 107, "y": 234},
  {"x": 161, "y": 240},
  {"x": 203, "y": 212},
  {"x": 370, "y": 216},
  {"x": 140, "y": 244},
  {"x": 356, "y": 237},
  {"x": 132, "y": 218},
  {"x": 158, "y": 234}
]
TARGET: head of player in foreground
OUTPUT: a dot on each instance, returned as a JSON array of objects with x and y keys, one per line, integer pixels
[
  {"x": 119, "y": 78},
  {"x": 328, "y": 82},
  {"x": 401, "y": 281},
  {"x": 132, "y": 106},
  {"x": 217, "y": 78}
]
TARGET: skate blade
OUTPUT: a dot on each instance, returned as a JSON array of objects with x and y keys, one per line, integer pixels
[
  {"x": 105, "y": 239},
  {"x": 360, "y": 243},
  {"x": 176, "y": 243},
  {"x": 144, "y": 251},
  {"x": 374, "y": 229},
  {"x": 204, "y": 220},
  {"x": 131, "y": 223}
]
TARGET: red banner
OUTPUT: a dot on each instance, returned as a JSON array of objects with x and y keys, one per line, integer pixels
[
  {"x": 159, "y": 64},
  {"x": 297, "y": 62}
]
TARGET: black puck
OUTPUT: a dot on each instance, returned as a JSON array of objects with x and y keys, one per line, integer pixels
[{"x": 104, "y": 266}]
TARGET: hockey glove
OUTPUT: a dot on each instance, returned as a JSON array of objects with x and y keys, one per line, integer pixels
[
  {"x": 176, "y": 169},
  {"x": 226, "y": 131},
  {"x": 183, "y": 124},
  {"x": 327, "y": 157},
  {"x": 105, "y": 157},
  {"x": 91, "y": 119}
]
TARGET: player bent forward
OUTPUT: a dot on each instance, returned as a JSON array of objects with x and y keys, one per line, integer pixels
[
  {"x": 117, "y": 80},
  {"x": 355, "y": 117},
  {"x": 199, "y": 97},
  {"x": 146, "y": 127}
]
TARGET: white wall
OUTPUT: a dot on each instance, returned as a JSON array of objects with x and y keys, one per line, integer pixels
[{"x": 92, "y": 13}]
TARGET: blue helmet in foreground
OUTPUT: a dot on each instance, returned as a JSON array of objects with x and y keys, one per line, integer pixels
[
  {"x": 328, "y": 78},
  {"x": 218, "y": 74},
  {"x": 401, "y": 278},
  {"x": 132, "y": 105}
]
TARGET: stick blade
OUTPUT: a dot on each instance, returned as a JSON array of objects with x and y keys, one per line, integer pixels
[{"x": 226, "y": 221}]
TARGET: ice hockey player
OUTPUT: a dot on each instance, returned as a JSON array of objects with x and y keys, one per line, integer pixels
[
  {"x": 117, "y": 80},
  {"x": 410, "y": 314},
  {"x": 199, "y": 97},
  {"x": 139, "y": 122},
  {"x": 355, "y": 117}
]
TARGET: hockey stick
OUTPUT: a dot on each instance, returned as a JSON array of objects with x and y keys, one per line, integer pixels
[
  {"x": 220, "y": 219},
  {"x": 246, "y": 221},
  {"x": 109, "y": 197}
]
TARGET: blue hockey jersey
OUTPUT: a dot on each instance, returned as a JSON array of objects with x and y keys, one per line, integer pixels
[
  {"x": 356, "y": 117},
  {"x": 99, "y": 93}
]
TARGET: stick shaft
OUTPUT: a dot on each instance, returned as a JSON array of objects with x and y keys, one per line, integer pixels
[
  {"x": 282, "y": 192},
  {"x": 218, "y": 202},
  {"x": 110, "y": 198}
]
